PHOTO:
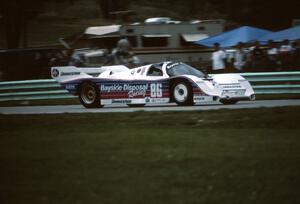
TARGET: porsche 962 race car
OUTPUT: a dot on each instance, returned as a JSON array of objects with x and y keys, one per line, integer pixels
[{"x": 154, "y": 83}]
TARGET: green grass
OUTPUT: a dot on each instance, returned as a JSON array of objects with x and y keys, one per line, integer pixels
[
  {"x": 42, "y": 102},
  {"x": 227, "y": 156}
]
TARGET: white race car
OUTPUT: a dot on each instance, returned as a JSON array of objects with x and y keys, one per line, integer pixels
[{"x": 154, "y": 83}]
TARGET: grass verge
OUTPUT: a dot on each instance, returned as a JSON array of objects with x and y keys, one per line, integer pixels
[{"x": 227, "y": 156}]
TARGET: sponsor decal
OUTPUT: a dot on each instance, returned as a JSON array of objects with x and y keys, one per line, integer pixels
[
  {"x": 156, "y": 100},
  {"x": 55, "y": 73},
  {"x": 106, "y": 101},
  {"x": 111, "y": 88},
  {"x": 133, "y": 90},
  {"x": 136, "y": 90},
  {"x": 69, "y": 73},
  {"x": 202, "y": 98},
  {"x": 231, "y": 86},
  {"x": 116, "y": 101},
  {"x": 233, "y": 93},
  {"x": 70, "y": 86},
  {"x": 159, "y": 100},
  {"x": 169, "y": 66}
]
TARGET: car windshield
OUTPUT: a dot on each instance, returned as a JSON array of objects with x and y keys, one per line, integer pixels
[{"x": 178, "y": 68}]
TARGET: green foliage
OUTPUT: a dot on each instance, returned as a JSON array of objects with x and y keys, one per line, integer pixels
[
  {"x": 16, "y": 14},
  {"x": 273, "y": 15},
  {"x": 227, "y": 156}
]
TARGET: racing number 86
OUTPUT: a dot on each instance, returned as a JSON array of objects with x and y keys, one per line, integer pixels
[{"x": 156, "y": 90}]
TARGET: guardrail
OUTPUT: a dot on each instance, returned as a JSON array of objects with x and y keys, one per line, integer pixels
[
  {"x": 32, "y": 90},
  {"x": 262, "y": 83},
  {"x": 274, "y": 82}
]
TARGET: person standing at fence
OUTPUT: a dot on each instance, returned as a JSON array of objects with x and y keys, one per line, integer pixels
[
  {"x": 121, "y": 53},
  {"x": 257, "y": 57},
  {"x": 272, "y": 53},
  {"x": 285, "y": 55},
  {"x": 123, "y": 45},
  {"x": 295, "y": 55},
  {"x": 218, "y": 59},
  {"x": 239, "y": 57},
  {"x": 75, "y": 59}
]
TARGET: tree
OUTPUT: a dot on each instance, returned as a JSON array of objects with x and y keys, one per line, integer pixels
[
  {"x": 16, "y": 14},
  {"x": 273, "y": 15},
  {"x": 108, "y": 6}
]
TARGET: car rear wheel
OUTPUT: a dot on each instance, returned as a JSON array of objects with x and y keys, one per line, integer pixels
[
  {"x": 228, "y": 101},
  {"x": 182, "y": 93},
  {"x": 89, "y": 95}
]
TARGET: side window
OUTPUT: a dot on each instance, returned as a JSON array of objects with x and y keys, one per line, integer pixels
[
  {"x": 153, "y": 71},
  {"x": 155, "y": 40}
]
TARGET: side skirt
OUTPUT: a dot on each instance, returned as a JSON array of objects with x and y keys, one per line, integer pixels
[{"x": 146, "y": 100}]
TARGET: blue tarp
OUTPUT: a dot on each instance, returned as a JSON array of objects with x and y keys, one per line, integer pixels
[
  {"x": 231, "y": 38},
  {"x": 290, "y": 34}
]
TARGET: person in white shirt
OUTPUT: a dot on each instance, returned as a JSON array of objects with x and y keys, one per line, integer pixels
[
  {"x": 272, "y": 50},
  {"x": 218, "y": 59},
  {"x": 239, "y": 57},
  {"x": 285, "y": 47},
  {"x": 295, "y": 55},
  {"x": 272, "y": 53},
  {"x": 285, "y": 58}
]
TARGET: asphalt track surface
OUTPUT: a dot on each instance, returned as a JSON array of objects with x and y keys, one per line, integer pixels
[{"x": 59, "y": 109}]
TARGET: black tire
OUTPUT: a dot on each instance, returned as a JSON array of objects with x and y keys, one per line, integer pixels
[
  {"x": 135, "y": 105},
  {"x": 228, "y": 101},
  {"x": 182, "y": 93},
  {"x": 89, "y": 95}
]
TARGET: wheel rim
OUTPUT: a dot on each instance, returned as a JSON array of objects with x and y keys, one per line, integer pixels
[
  {"x": 180, "y": 93},
  {"x": 88, "y": 94}
]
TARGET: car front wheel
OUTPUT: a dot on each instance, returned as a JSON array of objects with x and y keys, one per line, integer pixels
[{"x": 182, "y": 93}]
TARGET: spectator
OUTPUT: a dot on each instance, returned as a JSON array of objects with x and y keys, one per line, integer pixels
[
  {"x": 119, "y": 57},
  {"x": 75, "y": 59},
  {"x": 248, "y": 59},
  {"x": 257, "y": 56},
  {"x": 272, "y": 53},
  {"x": 295, "y": 54},
  {"x": 285, "y": 55},
  {"x": 133, "y": 60},
  {"x": 239, "y": 57},
  {"x": 58, "y": 59},
  {"x": 218, "y": 59},
  {"x": 123, "y": 45},
  {"x": 120, "y": 54},
  {"x": 285, "y": 47}
]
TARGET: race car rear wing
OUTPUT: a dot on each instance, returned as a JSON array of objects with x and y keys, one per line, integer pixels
[{"x": 64, "y": 73}]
